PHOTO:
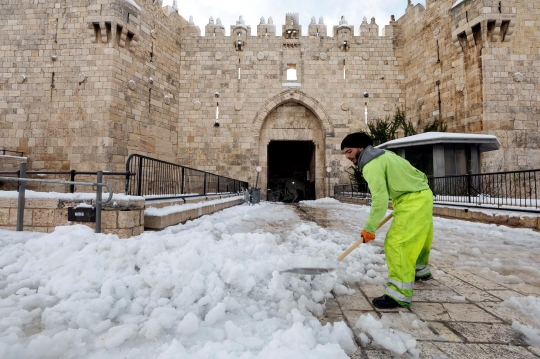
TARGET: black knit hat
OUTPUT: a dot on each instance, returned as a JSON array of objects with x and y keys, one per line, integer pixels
[{"x": 356, "y": 140}]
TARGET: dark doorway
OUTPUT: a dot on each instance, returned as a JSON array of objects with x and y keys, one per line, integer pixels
[{"x": 291, "y": 165}]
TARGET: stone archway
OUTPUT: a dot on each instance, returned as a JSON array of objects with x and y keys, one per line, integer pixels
[{"x": 293, "y": 120}]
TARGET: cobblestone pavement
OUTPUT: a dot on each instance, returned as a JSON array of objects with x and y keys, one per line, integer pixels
[{"x": 463, "y": 312}]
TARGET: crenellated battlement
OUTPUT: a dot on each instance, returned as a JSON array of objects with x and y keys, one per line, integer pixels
[{"x": 291, "y": 29}]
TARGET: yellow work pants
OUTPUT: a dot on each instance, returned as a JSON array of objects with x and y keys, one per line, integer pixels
[{"x": 408, "y": 243}]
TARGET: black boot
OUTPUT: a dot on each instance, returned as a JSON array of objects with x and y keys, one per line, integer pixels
[
  {"x": 385, "y": 302},
  {"x": 426, "y": 277}
]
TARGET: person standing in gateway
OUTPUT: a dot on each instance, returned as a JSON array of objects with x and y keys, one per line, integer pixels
[{"x": 408, "y": 241}]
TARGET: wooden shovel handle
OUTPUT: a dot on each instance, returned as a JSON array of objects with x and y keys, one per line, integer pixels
[{"x": 361, "y": 240}]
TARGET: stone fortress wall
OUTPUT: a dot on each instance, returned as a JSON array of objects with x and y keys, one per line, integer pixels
[{"x": 86, "y": 83}]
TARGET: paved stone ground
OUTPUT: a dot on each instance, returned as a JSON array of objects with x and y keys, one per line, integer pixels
[{"x": 463, "y": 312}]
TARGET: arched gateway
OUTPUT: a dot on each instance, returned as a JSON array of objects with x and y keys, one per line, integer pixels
[{"x": 292, "y": 130}]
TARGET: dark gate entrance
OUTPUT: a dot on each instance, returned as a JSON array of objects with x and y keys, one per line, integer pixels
[{"x": 291, "y": 165}]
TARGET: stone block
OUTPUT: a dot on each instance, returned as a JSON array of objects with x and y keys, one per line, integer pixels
[
  {"x": 8, "y": 202},
  {"x": 27, "y": 218},
  {"x": 41, "y": 203},
  {"x": 128, "y": 219},
  {"x": 42, "y": 217},
  {"x": 60, "y": 217},
  {"x": 109, "y": 219},
  {"x": 4, "y": 216}
]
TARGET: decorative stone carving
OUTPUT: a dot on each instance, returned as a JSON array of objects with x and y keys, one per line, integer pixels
[
  {"x": 21, "y": 79},
  {"x": 313, "y": 21},
  {"x": 460, "y": 86},
  {"x": 262, "y": 21},
  {"x": 345, "y": 106},
  {"x": 387, "y": 106},
  {"x": 270, "y": 20},
  {"x": 81, "y": 77},
  {"x": 197, "y": 105},
  {"x": 321, "y": 21},
  {"x": 260, "y": 55},
  {"x": 219, "y": 56},
  {"x": 323, "y": 56},
  {"x": 132, "y": 85},
  {"x": 518, "y": 77},
  {"x": 365, "y": 56},
  {"x": 420, "y": 102},
  {"x": 437, "y": 31},
  {"x": 238, "y": 106}
]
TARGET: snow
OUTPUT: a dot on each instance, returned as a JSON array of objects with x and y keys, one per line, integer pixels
[
  {"x": 212, "y": 287},
  {"x": 153, "y": 211},
  {"x": 457, "y": 3},
  {"x": 490, "y": 142},
  {"x": 132, "y": 2}
]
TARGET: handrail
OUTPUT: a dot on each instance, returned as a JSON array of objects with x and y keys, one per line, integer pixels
[
  {"x": 155, "y": 178},
  {"x": 22, "y": 189},
  {"x": 15, "y": 179}
]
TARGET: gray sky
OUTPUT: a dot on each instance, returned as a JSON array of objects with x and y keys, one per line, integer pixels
[{"x": 252, "y": 10}]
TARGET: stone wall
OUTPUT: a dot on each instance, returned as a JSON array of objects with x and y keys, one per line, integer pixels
[
  {"x": 480, "y": 60},
  {"x": 86, "y": 83}
]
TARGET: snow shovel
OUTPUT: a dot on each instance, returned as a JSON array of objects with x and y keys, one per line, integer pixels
[{"x": 319, "y": 270}]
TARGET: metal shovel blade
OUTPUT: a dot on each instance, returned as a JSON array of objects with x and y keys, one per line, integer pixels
[{"x": 311, "y": 271}]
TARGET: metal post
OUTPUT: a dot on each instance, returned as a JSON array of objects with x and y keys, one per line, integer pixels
[
  {"x": 469, "y": 187},
  {"x": 20, "y": 204},
  {"x": 204, "y": 185},
  {"x": 126, "y": 187},
  {"x": 183, "y": 182},
  {"x": 98, "y": 200},
  {"x": 139, "y": 177},
  {"x": 257, "y": 180},
  {"x": 329, "y": 185},
  {"x": 72, "y": 179}
]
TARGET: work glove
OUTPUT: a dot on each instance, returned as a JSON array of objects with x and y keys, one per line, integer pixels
[{"x": 368, "y": 237}]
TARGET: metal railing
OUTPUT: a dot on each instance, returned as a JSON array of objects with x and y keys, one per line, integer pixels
[
  {"x": 501, "y": 189},
  {"x": 160, "y": 179},
  {"x": 514, "y": 190},
  {"x": 72, "y": 174},
  {"x": 352, "y": 190},
  {"x": 22, "y": 180}
]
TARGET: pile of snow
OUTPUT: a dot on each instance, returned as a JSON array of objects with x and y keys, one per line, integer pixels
[
  {"x": 383, "y": 335},
  {"x": 209, "y": 288},
  {"x": 530, "y": 306},
  {"x": 213, "y": 288}
]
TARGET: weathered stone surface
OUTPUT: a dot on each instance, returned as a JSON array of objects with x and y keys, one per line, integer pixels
[{"x": 80, "y": 112}]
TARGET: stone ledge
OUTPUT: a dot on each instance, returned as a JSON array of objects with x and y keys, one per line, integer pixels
[{"x": 161, "y": 222}]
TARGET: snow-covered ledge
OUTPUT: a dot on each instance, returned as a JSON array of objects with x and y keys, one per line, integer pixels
[
  {"x": 123, "y": 216},
  {"x": 176, "y": 213}
]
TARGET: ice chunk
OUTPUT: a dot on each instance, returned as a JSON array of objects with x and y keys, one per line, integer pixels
[
  {"x": 188, "y": 325},
  {"x": 115, "y": 336},
  {"x": 215, "y": 314}
]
